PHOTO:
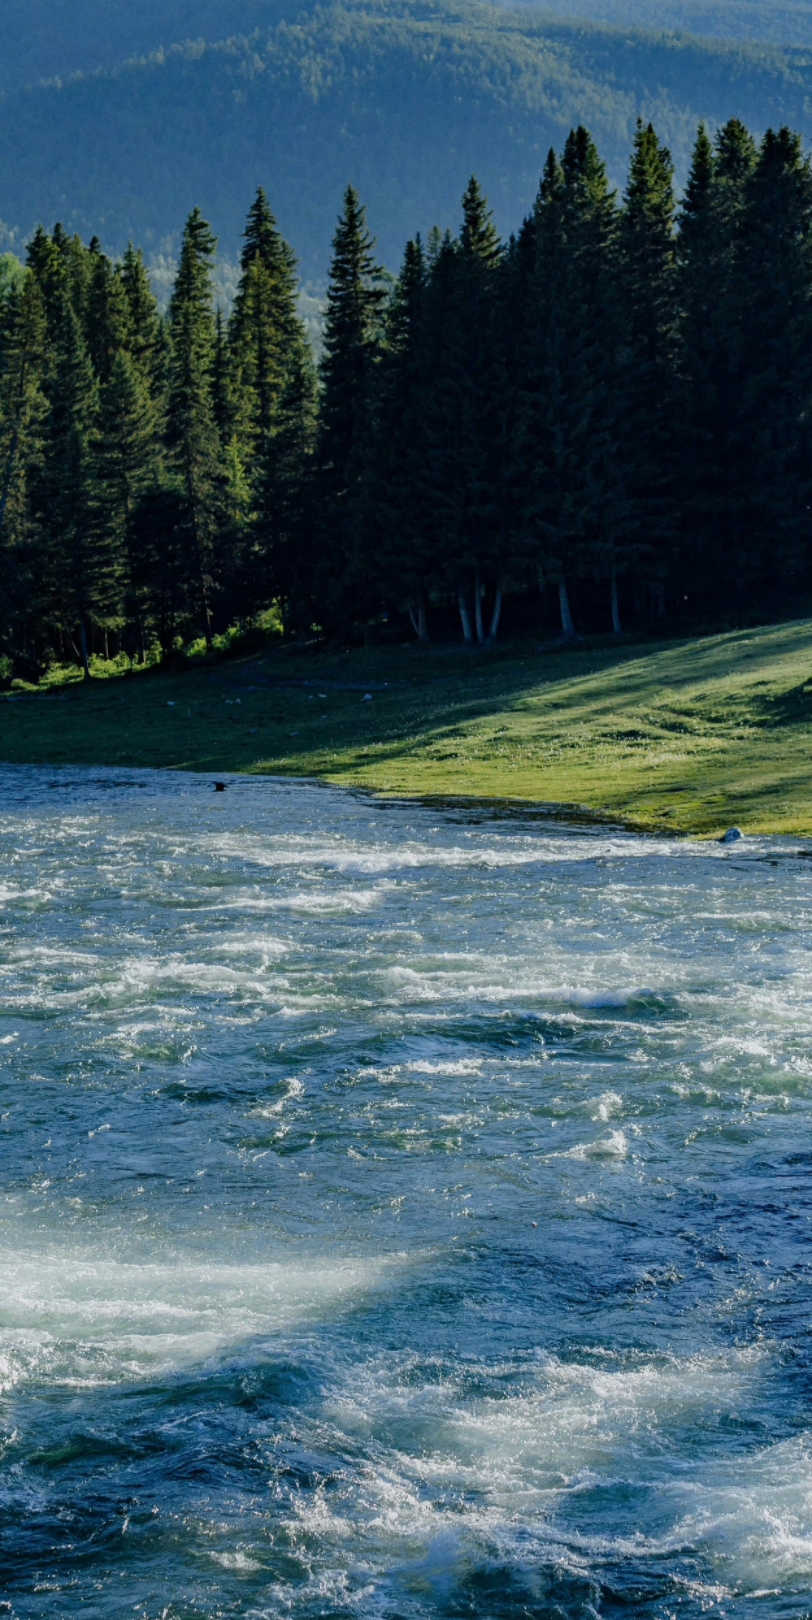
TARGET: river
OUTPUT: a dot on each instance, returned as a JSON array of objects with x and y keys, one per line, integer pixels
[{"x": 403, "y": 1213}]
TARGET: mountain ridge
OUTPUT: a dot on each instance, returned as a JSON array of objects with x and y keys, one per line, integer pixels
[{"x": 404, "y": 99}]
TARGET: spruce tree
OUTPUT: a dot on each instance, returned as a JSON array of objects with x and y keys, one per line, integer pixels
[
  {"x": 273, "y": 392},
  {"x": 461, "y": 409},
  {"x": 575, "y": 505},
  {"x": 47, "y": 266},
  {"x": 352, "y": 341},
  {"x": 83, "y": 570},
  {"x": 647, "y": 293},
  {"x": 776, "y": 345},
  {"x": 146, "y": 335},
  {"x": 127, "y": 464},
  {"x": 23, "y": 407},
  {"x": 106, "y": 314},
  {"x": 400, "y": 551},
  {"x": 479, "y": 390},
  {"x": 713, "y": 452},
  {"x": 193, "y": 443},
  {"x": 265, "y": 324}
]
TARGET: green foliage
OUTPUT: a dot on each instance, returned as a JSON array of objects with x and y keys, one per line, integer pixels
[
  {"x": 193, "y": 439},
  {"x": 617, "y": 403},
  {"x": 273, "y": 389},
  {"x": 353, "y": 333}
]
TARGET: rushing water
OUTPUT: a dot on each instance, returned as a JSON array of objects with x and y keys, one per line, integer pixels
[{"x": 402, "y": 1213}]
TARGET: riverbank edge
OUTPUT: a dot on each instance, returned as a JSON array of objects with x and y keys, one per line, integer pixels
[{"x": 681, "y": 738}]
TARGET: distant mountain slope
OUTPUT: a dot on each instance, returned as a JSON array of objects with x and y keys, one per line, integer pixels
[
  {"x": 775, "y": 22},
  {"x": 45, "y": 39},
  {"x": 403, "y": 99},
  {"x": 55, "y": 38}
]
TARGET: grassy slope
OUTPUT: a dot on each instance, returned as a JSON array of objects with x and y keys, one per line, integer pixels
[{"x": 690, "y": 735}]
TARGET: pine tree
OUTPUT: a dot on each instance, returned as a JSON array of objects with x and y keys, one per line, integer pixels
[
  {"x": 127, "y": 465},
  {"x": 47, "y": 266},
  {"x": 712, "y": 451},
  {"x": 83, "y": 571},
  {"x": 400, "y": 551},
  {"x": 192, "y": 439},
  {"x": 273, "y": 389},
  {"x": 575, "y": 507},
  {"x": 264, "y": 325},
  {"x": 23, "y": 358},
  {"x": 165, "y": 564},
  {"x": 775, "y": 272},
  {"x": 479, "y": 390},
  {"x": 146, "y": 335},
  {"x": 647, "y": 270},
  {"x": 106, "y": 314},
  {"x": 352, "y": 340}
]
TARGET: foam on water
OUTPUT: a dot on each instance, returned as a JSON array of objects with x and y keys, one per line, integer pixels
[
  {"x": 403, "y": 1213},
  {"x": 81, "y": 1320}
]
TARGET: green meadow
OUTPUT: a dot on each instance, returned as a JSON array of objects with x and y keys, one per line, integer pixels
[{"x": 690, "y": 736}]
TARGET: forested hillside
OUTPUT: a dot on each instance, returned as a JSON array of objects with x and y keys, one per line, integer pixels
[
  {"x": 776, "y": 22},
  {"x": 55, "y": 38},
  {"x": 606, "y": 418},
  {"x": 403, "y": 99}
]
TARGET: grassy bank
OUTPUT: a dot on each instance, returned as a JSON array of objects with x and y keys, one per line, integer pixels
[{"x": 690, "y": 735}]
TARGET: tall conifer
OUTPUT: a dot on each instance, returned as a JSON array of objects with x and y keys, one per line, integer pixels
[
  {"x": 575, "y": 503},
  {"x": 273, "y": 387},
  {"x": 352, "y": 339},
  {"x": 647, "y": 300},
  {"x": 23, "y": 408},
  {"x": 192, "y": 438},
  {"x": 83, "y": 570},
  {"x": 401, "y": 549}
]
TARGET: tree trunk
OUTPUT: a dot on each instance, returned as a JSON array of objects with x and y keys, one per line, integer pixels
[
  {"x": 616, "y": 624},
  {"x": 465, "y": 617},
  {"x": 496, "y": 615},
  {"x": 419, "y": 618},
  {"x": 480, "y": 628},
  {"x": 567, "y": 626},
  {"x": 83, "y": 644}
]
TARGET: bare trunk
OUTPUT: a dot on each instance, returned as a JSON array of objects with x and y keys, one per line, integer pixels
[
  {"x": 616, "y": 624},
  {"x": 106, "y": 648},
  {"x": 480, "y": 628},
  {"x": 496, "y": 615},
  {"x": 83, "y": 644},
  {"x": 418, "y": 616},
  {"x": 465, "y": 617},
  {"x": 201, "y": 572},
  {"x": 567, "y": 626}
]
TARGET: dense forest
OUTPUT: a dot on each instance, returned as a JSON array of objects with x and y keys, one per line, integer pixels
[
  {"x": 55, "y": 39},
  {"x": 408, "y": 97},
  {"x": 614, "y": 408}
]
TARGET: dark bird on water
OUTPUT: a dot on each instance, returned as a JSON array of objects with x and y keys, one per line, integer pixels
[{"x": 219, "y": 787}]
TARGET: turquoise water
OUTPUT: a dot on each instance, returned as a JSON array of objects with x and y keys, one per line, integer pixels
[{"x": 402, "y": 1213}]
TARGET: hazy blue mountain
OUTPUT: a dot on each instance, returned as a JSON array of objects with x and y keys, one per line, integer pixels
[
  {"x": 54, "y": 38},
  {"x": 404, "y": 99},
  {"x": 775, "y": 22}
]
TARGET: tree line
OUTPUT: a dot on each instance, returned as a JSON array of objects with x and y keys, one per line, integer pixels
[{"x": 615, "y": 404}]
